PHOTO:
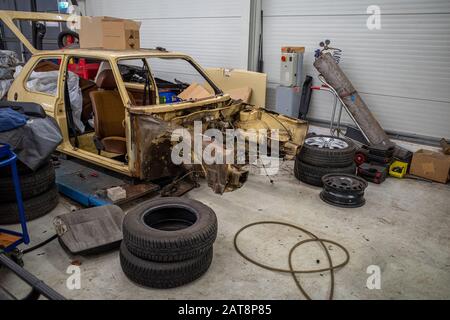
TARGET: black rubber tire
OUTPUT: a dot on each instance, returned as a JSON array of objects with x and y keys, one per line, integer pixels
[
  {"x": 332, "y": 158},
  {"x": 163, "y": 275},
  {"x": 156, "y": 244},
  {"x": 21, "y": 169},
  {"x": 381, "y": 151},
  {"x": 32, "y": 184},
  {"x": 63, "y": 34},
  {"x": 34, "y": 208},
  {"x": 313, "y": 175}
]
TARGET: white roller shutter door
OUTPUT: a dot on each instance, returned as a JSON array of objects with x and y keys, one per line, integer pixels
[
  {"x": 402, "y": 70},
  {"x": 214, "y": 32}
]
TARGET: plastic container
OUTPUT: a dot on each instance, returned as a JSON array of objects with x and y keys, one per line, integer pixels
[
  {"x": 398, "y": 169},
  {"x": 168, "y": 97},
  {"x": 63, "y": 6}
]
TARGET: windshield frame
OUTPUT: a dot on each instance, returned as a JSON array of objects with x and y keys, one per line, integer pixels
[{"x": 195, "y": 65}]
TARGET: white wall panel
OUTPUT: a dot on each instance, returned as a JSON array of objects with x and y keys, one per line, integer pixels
[
  {"x": 402, "y": 70},
  {"x": 166, "y": 9},
  {"x": 352, "y": 7},
  {"x": 214, "y": 32}
]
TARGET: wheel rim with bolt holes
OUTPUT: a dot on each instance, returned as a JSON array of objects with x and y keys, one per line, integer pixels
[
  {"x": 343, "y": 190},
  {"x": 343, "y": 182},
  {"x": 326, "y": 142}
]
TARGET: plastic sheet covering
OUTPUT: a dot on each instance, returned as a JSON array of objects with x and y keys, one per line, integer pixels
[
  {"x": 4, "y": 87},
  {"x": 48, "y": 82},
  {"x": 34, "y": 142},
  {"x": 6, "y": 73},
  {"x": 11, "y": 119},
  {"x": 8, "y": 59},
  {"x": 8, "y": 62}
]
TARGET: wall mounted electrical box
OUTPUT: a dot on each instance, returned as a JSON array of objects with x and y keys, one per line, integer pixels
[
  {"x": 288, "y": 69},
  {"x": 291, "y": 67},
  {"x": 288, "y": 93}
]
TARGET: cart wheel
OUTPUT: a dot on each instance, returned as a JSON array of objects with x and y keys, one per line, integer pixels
[
  {"x": 360, "y": 158},
  {"x": 17, "y": 256}
]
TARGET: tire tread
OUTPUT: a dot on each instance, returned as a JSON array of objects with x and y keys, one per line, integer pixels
[
  {"x": 163, "y": 275},
  {"x": 313, "y": 175},
  {"x": 147, "y": 245},
  {"x": 34, "y": 208},
  {"x": 330, "y": 158},
  {"x": 32, "y": 184}
]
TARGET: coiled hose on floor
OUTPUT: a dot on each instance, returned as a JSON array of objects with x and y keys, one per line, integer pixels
[{"x": 291, "y": 270}]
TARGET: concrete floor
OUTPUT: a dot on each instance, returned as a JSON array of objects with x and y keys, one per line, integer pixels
[{"x": 404, "y": 229}]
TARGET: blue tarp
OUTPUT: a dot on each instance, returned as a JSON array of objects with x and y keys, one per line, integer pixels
[
  {"x": 36, "y": 139},
  {"x": 10, "y": 119}
]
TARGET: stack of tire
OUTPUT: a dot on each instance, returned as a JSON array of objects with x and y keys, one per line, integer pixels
[
  {"x": 322, "y": 155},
  {"x": 39, "y": 192},
  {"x": 167, "y": 242}
]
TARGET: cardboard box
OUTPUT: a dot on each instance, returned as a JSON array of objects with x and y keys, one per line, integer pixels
[
  {"x": 194, "y": 92},
  {"x": 293, "y": 49},
  {"x": 431, "y": 165},
  {"x": 109, "y": 33},
  {"x": 244, "y": 94},
  {"x": 228, "y": 80}
]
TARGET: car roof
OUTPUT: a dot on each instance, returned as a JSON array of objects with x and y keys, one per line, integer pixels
[
  {"x": 106, "y": 54},
  {"x": 9, "y": 18}
]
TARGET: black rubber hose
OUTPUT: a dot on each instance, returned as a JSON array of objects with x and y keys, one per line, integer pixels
[
  {"x": 39, "y": 245},
  {"x": 291, "y": 270}
]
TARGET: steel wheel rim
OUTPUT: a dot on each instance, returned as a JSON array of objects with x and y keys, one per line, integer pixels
[
  {"x": 331, "y": 201},
  {"x": 343, "y": 190},
  {"x": 342, "y": 182},
  {"x": 326, "y": 143}
]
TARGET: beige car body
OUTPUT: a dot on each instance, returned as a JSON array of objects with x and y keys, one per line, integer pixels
[{"x": 146, "y": 127}]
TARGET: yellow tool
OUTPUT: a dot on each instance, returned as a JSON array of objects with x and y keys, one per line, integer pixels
[{"x": 398, "y": 169}]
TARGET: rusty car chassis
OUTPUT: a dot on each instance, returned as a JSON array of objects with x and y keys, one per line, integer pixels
[{"x": 148, "y": 128}]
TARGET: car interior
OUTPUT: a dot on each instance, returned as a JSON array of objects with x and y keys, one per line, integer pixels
[
  {"x": 109, "y": 115},
  {"x": 103, "y": 111}
]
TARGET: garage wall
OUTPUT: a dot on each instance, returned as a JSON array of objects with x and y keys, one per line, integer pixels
[
  {"x": 214, "y": 32},
  {"x": 402, "y": 70},
  {"x": 11, "y": 42}
]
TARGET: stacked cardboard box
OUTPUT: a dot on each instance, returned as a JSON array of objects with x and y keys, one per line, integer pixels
[{"x": 109, "y": 33}]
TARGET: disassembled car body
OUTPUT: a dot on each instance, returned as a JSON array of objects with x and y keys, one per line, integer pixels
[{"x": 122, "y": 112}]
